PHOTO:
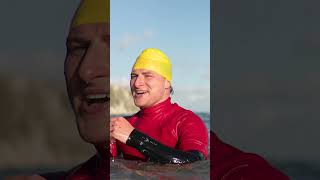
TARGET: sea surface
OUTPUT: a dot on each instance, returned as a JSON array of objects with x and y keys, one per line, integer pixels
[{"x": 122, "y": 169}]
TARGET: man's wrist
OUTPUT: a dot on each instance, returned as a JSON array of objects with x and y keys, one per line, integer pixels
[{"x": 132, "y": 140}]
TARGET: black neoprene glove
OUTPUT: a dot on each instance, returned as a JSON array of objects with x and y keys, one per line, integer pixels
[{"x": 157, "y": 152}]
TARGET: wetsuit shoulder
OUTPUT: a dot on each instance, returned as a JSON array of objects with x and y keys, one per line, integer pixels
[
  {"x": 83, "y": 170},
  {"x": 180, "y": 114},
  {"x": 192, "y": 132},
  {"x": 230, "y": 163}
]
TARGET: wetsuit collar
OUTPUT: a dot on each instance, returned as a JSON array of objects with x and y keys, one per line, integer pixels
[{"x": 160, "y": 107}]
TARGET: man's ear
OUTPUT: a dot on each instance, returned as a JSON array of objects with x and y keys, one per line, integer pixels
[{"x": 167, "y": 84}]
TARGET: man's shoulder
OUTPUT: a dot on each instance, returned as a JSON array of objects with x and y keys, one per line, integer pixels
[
  {"x": 185, "y": 116},
  {"x": 231, "y": 163},
  {"x": 83, "y": 168},
  {"x": 181, "y": 111}
]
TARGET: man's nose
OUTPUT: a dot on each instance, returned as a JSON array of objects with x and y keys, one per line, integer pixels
[
  {"x": 139, "y": 81},
  {"x": 95, "y": 63}
]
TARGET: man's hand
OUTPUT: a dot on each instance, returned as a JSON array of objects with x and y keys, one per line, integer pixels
[{"x": 120, "y": 129}]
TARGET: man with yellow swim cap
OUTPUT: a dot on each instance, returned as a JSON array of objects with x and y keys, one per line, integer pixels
[
  {"x": 87, "y": 74},
  {"x": 87, "y": 78},
  {"x": 166, "y": 133},
  {"x": 161, "y": 131}
]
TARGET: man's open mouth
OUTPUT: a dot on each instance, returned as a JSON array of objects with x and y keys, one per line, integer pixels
[
  {"x": 140, "y": 93},
  {"x": 97, "y": 98}
]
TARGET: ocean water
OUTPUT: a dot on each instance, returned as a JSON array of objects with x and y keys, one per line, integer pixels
[
  {"x": 123, "y": 169},
  {"x": 134, "y": 170}
]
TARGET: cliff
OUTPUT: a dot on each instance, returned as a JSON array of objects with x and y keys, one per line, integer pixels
[{"x": 121, "y": 101}]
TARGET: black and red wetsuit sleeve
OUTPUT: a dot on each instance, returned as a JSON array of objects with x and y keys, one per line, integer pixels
[{"x": 157, "y": 152}]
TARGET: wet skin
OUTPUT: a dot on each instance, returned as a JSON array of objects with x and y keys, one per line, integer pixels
[{"x": 148, "y": 88}]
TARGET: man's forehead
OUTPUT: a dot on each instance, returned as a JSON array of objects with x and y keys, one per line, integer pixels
[
  {"x": 90, "y": 31},
  {"x": 144, "y": 71}
]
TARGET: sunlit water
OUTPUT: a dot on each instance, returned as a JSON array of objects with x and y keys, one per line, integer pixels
[{"x": 123, "y": 169}]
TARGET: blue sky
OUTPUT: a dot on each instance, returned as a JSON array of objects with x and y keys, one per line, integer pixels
[{"x": 179, "y": 28}]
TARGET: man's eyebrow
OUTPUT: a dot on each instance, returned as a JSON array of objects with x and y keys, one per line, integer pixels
[
  {"x": 77, "y": 39},
  {"x": 147, "y": 73}
]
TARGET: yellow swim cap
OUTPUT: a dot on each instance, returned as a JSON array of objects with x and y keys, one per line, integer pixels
[
  {"x": 155, "y": 60},
  {"x": 92, "y": 11}
]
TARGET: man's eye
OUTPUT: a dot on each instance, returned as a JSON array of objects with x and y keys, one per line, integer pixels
[
  {"x": 78, "y": 51},
  {"x": 133, "y": 76}
]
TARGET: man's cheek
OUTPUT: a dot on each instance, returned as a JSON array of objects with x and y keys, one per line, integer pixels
[{"x": 71, "y": 64}]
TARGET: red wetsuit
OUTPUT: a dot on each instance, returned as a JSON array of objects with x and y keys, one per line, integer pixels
[
  {"x": 96, "y": 168},
  {"x": 181, "y": 129},
  {"x": 93, "y": 169},
  {"x": 229, "y": 163},
  {"x": 170, "y": 125}
]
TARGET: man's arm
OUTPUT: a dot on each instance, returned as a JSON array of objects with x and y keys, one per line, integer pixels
[
  {"x": 157, "y": 152},
  {"x": 153, "y": 150}
]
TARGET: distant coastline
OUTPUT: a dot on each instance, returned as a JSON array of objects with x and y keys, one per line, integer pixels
[{"x": 121, "y": 100}]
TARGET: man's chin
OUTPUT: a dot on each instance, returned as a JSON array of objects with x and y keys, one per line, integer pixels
[
  {"x": 139, "y": 103},
  {"x": 94, "y": 132},
  {"x": 93, "y": 139}
]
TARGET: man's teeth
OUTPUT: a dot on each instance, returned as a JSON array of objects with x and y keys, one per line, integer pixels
[{"x": 96, "y": 96}]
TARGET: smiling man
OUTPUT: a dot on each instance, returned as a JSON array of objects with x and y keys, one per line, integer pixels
[
  {"x": 161, "y": 131},
  {"x": 87, "y": 76}
]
